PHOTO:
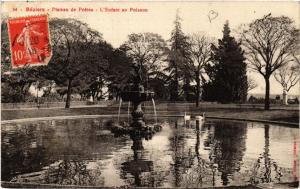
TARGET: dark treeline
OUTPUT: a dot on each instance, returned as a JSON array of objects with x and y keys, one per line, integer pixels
[{"x": 183, "y": 68}]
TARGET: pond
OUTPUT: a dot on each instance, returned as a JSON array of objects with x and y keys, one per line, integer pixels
[{"x": 84, "y": 152}]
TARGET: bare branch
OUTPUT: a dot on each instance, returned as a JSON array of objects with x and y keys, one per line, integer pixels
[
  {"x": 251, "y": 84},
  {"x": 269, "y": 43},
  {"x": 287, "y": 76},
  {"x": 146, "y": 49}
]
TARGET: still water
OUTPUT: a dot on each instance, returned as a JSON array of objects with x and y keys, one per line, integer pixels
[{"x": 214, "y": 153}]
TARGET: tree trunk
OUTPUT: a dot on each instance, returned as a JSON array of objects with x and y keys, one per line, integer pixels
[
  {"x": 197, "y": 90},
  {"x": 267, "y": 93},
  {"x": 69, "y": 94},
  {"x": 176, "y": 84},
  {"x": 186, "y": 89},
  {"x": 284, "y": 97},
  {"x": 23, "y": 94}
]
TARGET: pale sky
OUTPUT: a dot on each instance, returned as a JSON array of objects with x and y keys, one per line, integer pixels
[{"x": 116, "y": 26}]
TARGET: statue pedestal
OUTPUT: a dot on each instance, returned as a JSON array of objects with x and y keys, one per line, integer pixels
[{"x": 137, "y": 116}]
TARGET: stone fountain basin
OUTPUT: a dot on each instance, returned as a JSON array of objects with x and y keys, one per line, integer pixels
[{"x": 137, "y": 96}]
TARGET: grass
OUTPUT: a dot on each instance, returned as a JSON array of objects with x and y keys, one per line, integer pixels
[{"x": 241, "y": 113}]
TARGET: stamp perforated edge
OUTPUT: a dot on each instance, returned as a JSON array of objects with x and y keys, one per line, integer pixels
[{"x": 10, "y": 47}]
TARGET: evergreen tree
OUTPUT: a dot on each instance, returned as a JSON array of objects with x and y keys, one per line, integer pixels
[
  {"x": 228, "y": 74},
  {"x": 177, "y": 58}
]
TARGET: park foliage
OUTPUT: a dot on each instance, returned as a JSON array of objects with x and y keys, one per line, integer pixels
[{"x": 186, "y": 67}]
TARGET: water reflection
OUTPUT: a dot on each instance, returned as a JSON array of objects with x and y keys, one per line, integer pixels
[
  {"x": 265, "y": 169},
  {"x": 198, "y": 174},
  {"x": 228, "y": 148},
  {"x": 225, "y": 142},
  {"x": 85, "y": 152},
  {"x": 60, "y": 155},
  {"x": 22, "y": 150},
  {"x": 137, "y": 166}
]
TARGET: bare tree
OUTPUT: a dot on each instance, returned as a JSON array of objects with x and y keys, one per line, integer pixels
[
  {"x": 269, "y": 43},
  {"x": 296, "y": 53},
  {"x": 200, "y": 51},
  {"x": 288, "y": 77},
  {"x": 148, "y": 50}
]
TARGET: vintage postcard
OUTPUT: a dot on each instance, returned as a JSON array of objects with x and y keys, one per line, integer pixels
[{"x": 157, "y": 94}]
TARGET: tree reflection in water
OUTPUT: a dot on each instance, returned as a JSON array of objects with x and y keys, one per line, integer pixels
[
  {"x": 229, "y": 148},
  {"x": 180, "y": 158},
  {"x": 37, "y": 153},
  {"x": 188, "y": 168},
  {"x": 200, "y": 173},
  {"x": 226, "y": 143},
  {"x": 22, "y": 150},
  {"x": 71, "y": 172},
  {"x": 74, "y": 152},
  {"x": 262, "y": 170}
]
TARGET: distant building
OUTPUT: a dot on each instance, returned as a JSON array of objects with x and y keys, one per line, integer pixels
[{"x": 274, "y": 98}]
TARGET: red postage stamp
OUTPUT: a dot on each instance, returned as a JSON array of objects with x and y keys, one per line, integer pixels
[{"x": 29, "y": 41}]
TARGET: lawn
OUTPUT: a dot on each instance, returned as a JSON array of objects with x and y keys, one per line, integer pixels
[{"x": 172, "y": 110}]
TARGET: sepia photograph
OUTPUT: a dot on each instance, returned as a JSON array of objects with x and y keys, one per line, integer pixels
[{"x": 150, "y": 94}]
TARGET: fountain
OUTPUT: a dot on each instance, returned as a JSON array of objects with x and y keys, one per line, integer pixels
[{"x": 135, "y": 94}]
